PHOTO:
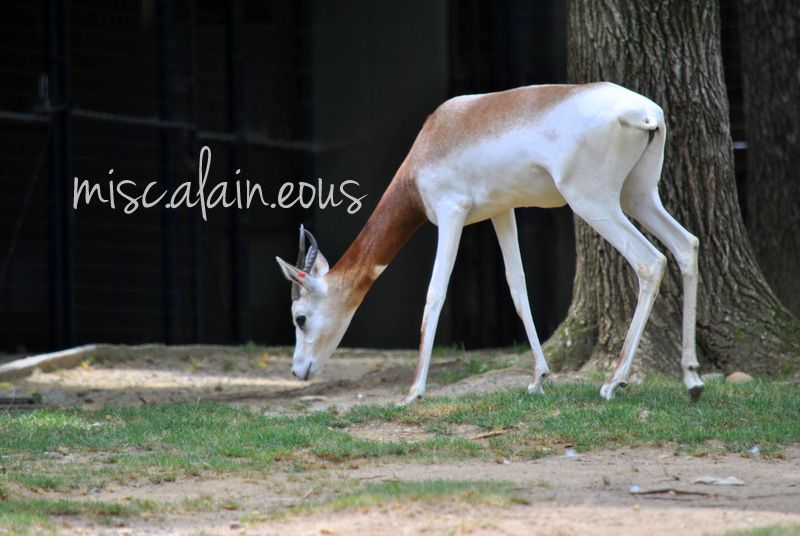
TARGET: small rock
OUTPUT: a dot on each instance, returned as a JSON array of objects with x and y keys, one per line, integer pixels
[
  {"x": 635, "y": 488},
  {"x": 570, "y": 453},
  {"x": 738, "y": 377}
]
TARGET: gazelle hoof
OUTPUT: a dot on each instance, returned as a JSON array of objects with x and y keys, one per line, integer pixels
[
  {"x": 696, "y": 391},
  {"x": 536, "y": 386},
  {"x": 607, "y": 390},
  {"x": 693, "y": 384},
  {"x": 534, "y": 389},
  {"x": 412, "y": 397}
]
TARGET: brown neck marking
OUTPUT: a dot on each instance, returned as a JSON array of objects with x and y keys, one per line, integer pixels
[{"x": 400, "y": 212}]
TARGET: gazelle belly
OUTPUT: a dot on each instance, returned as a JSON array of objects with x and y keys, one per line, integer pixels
[{"x": 489, "y": 177}]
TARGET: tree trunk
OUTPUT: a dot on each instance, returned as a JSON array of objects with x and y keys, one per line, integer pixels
[
  {"x": 770, "y": 30},
  {"x": 669, "y": 50}
]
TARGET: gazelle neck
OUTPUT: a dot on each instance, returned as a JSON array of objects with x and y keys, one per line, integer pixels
[{"x": 400, "y": 212}]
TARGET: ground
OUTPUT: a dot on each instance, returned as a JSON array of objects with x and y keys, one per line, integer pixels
[{"x": 625, "y": 490}]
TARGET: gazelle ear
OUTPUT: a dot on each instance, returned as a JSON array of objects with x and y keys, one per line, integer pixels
[{"x": 298, "y": 277}]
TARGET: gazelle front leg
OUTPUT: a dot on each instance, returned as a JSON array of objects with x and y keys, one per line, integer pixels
[
  {"x": 505, "y": 225},
  {"x": 446, "y": 249}
]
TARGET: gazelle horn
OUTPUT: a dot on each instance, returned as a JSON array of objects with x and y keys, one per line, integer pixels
[
  {"x": 313, "y": 251},
  {"x": 301, "y": 257}
]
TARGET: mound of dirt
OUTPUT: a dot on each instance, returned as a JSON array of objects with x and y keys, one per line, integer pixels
[{"x": 152, "y": 374}]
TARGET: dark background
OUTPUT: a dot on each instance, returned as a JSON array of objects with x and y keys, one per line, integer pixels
[{"x": 284, "y": 91}]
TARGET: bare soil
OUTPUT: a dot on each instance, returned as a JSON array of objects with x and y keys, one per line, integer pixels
[{"x": 585, "y": 494}]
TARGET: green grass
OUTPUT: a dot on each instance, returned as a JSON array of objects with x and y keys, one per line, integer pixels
[
  {"x": 773, "y": 530},
  {"x": 491, "y": 492},
  {"x": 65, "y": 450},
  {"x": 35, "y": 515},
  {"x": 737, "y": 416},
  {"x": 165, "y": 442}
]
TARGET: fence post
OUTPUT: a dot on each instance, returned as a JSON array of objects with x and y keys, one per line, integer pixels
[
  {"x": 236, "y": 110},
  {"x": 166, "y": 78},
  {"x": 62, "y": 305}
]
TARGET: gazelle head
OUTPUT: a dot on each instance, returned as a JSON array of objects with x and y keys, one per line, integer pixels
[{"x": 319, "y": 312}]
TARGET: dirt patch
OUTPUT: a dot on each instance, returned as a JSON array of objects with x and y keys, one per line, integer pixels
[
  {"x": 258, "y": 377},
  {"x": 606, "y": 478},
  {"x": 535, "y": 519},
  {"x": 395, "y": 431},
  {"x": 389, "y": 431},
  {"x": 261, "y": 376},
  {"x": 589, "y": 493}
]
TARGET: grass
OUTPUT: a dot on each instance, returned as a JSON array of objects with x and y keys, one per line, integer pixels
[
  {"x": 74, "y": 449},
  {"x": 496, "y": 493},
  {"x": 772, "y": 530},
  {"x": 165, "y": 442},
  {"x": 35, "y": 515}
]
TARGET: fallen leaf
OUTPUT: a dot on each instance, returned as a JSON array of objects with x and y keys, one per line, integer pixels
[{"x": 490, "y": 433}]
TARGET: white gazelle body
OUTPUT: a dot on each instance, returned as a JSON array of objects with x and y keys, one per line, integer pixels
[{"x": 597, "y": 147}]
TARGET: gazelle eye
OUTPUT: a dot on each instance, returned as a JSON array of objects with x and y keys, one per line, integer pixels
[{"x": 300, "y": 321}]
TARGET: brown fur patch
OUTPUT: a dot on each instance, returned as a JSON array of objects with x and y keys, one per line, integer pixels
[{"x": 458, "y": 123}]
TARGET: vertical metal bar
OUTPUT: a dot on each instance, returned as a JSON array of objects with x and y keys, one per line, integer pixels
[
  {"x": 236, "y": 105},
  {"x": 308, "y": 164},
  {"x": 194, "y": 146},
  {"x": 61, "y": 216},
  {"x": 68, "y": 221},
  {"x": 56, "y": 180},
  {"x": 166, "y": 75}
]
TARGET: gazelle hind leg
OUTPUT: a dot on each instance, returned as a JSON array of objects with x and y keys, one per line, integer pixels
[
  {"x": 646, "y": 260},
  {"x": 648, "y": 210},
  {"x": 449, "y": 235},
  {"x": 505, "y": 225}
]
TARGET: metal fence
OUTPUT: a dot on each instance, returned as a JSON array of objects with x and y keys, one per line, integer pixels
[
  {"x": 296, "y": 89},
  {"x": 91, "y": 86}
]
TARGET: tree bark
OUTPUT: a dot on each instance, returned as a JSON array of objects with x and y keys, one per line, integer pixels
[
  {"x": 669, "y": 50},
  {"x": 770, "y": 30}
]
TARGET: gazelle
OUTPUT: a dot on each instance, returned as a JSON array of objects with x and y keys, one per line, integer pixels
[{"x": 597, "y": 147}]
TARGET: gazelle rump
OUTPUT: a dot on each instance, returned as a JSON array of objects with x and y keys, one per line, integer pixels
[{"x": 597, "y": 147}]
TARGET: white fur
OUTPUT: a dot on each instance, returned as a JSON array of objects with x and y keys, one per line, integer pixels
[{"x": 377, "y": 270}]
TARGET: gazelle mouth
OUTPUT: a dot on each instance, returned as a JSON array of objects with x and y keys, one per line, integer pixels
[{"x": 308, "y": 372}]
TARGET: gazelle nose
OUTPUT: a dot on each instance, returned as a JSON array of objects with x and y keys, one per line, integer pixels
[{"x": 302, "y": 372}]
